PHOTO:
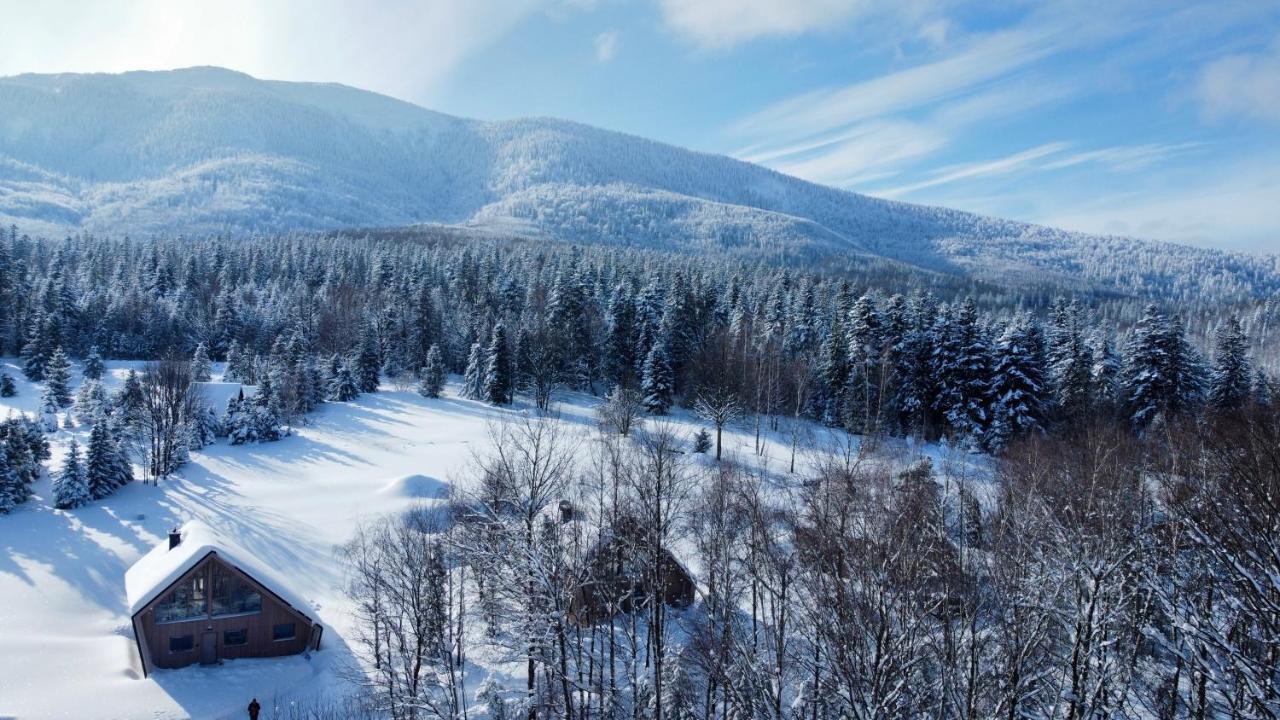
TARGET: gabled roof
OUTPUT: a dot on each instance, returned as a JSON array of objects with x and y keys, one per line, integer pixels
[{"x": 159, "y": 569}]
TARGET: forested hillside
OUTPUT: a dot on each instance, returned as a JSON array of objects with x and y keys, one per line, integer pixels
[{"x": 206, "y": 150}]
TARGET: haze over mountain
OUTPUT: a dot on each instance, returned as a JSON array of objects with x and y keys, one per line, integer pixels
[{"x": 206, "y": 150}]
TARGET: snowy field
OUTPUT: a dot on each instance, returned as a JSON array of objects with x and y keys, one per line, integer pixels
[{"x": 66, "y": 647}]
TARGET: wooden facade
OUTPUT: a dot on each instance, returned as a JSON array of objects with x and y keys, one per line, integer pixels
[{"x": 207, "y": 633}]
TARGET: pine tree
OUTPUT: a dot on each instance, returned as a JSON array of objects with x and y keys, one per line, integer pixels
[
  {"x": 657, "y": 384},
  {"x": 7, "y": 387},
  {"x": 1162, "y": 373},
  {"x": 93, "y": 366},
  {"x": 128, "y": 401},
  {"x": 91, "y": 400},
  {"x": 1262, "y": 385},
  {"x": 864, "y": 385},
  {"x": 100, "y": 466},
  {"x": 49, "y": 409},
  {"x": 1231, "y": 381},
  {"x": 619, "y": 341},
  {"x": 702, "y": 441},
  {"x": 71, "y": 486},
  {"x": 234, "y": 372},
  {"x": 13, "y": 491},
  {"x": 200, "y": 365},
  {"x": 833, "y": 370},
  {"x": 368, "y": 362},
  {"x": 344, "y": 387},
  {"x": 490, "y": 695},
  {"x": 497, "y": 370},
  {"x": 1018, "y": 384},
  {"x": 57, "y": 378},
  {"x": 473, "y": 377},
  {"x": 36, "y": 349},
  {"x": 433, "y": 374},
  {"x": 962, "y": 363}
]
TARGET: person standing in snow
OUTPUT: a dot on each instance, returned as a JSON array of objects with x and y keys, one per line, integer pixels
[{"x": 254, "y": 707}]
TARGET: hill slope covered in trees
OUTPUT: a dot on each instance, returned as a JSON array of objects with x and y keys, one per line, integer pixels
[{"x": 206, "y": 150}]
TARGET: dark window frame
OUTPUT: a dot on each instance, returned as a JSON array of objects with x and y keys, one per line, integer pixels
[
  {"x": 242, "y": 632},
  {"x": 190, "y": 643},
  {"x": 277, "y": 637}
]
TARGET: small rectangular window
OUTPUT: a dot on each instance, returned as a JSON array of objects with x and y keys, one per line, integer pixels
[
  {"x": 284, "y": 631},
  {"x": 235, "y": 637},
  {"x": 181, "y": 643}
]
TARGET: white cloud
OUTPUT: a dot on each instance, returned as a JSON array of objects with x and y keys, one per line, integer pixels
[
  {"x": 399, "y": 47},
  {"x": 1232, "y": 207},
  {"x": 1244, "y": 85},
  {"x": 723, "y": 23},
  {"x": 999, "y": 166},
  {"x": 606, "y": 45}
]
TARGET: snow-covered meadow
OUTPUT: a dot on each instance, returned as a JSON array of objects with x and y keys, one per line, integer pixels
[{"x": 66, "y": 647}]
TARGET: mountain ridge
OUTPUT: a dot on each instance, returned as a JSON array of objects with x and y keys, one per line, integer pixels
[{"x": 204, "y": 150}]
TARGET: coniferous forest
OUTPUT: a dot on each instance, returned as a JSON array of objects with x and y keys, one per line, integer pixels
[{"x": 1118, "y": 556}]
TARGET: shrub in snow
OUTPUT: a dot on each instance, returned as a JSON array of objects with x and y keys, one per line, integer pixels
[
  {"x": 7, "y": 387},
  {"x": 702, "y": 441}
]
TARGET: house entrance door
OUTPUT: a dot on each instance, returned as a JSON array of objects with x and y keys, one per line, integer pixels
[{"x": 209, "y": 648}]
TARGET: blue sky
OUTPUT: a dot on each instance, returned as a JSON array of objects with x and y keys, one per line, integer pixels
[{"x": 1155, "y": 119}]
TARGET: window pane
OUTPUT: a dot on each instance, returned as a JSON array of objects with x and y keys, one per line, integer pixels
[
  {"x": 187, "y": 600},
  {"x": 181, "y": 643},
  {"x": 282, "y": 632},
  {"x": 231, "y": 595},
  {"x": 235, "y": 637}
]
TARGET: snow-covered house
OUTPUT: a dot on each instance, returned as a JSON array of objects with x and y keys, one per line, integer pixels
[{"x": 202, "y": 597}]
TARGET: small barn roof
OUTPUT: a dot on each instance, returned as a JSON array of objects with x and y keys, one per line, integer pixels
[{"x": 156, "y": 571}]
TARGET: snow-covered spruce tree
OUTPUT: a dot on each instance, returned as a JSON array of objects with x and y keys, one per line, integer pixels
[
  {"x": 71, "y": 486},
  {"x": 100, "y": 462},
  {"x": 864, "y": 409},
  {"x": 235, "y": 370},
  {"x": 7, "y": 386},
  {"x": 657, "y": 384},
  {"x": 36, "y": 349},
  {"x": 344, "y": 387},
  {"x": 1262, "y": 388},
  {"x": 431, "y": 384},
  {"x": 833, "y": 370},
  {"x": 490, "y": 696},
  {"x": 1018, "y": 384},
  {"x": 1106, "y": 373},
  {"x": 473, "y": 377},
  {"x": 57, "y": 378},
  {"x": 91, "y": 400},
  {"x": 1231, "y": 380},
  {"x": 962, "y": 364},
  {"x": 13, "y": 490},
  {"x": 1071, "y": 366},
  {"x": 497, "y": 370},
  {"x": 620, "y": 341},
  {"x": 702, "y": 441},
  {"x": 93, "y": 367},
  {"x": 200, "y": 366},
  {"x": 128, "y": 400},
  {"x": 49, "y": 409},
  {"x": 1162, "y": 373},
  {"x": 368, "y": 361}
]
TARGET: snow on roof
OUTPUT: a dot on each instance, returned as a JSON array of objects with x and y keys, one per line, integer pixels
[
  {"x": 216, "y": 394},
  {"x": 160, "y": 568}
]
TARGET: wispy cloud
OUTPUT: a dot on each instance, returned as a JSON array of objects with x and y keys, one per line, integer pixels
[
  {"x": 999, "y": 166},
  {"x": 1247, "y": 85},
  {"x": 607, "y": 45},
  {"x": 723, "y": 23}
]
